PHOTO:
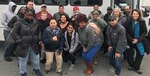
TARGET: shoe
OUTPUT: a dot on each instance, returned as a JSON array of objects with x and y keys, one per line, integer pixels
[
  {"x": 38, "y": 73},
  {"x": 88, "y": 71},
  {"x": 60, "y": 73},
  {"x": 95, "y": 62},
  {"x": 46, "y": 71},
  {"x": 138, "y": 71},
  {"x": 130, "y": 68},
  {"x": 71, "y": 67},
  {"x": 112, "y": 70},
  {"x": 8, "y": 59},
  {"x": 24, "y": 74}
]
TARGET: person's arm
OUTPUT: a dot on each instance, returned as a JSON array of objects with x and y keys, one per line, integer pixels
[
  {"x": 12, "y": 22},
  {"x": 90, "y": 37},
  {"x": 15, "y": 32},
  {"x": 143, "y": 32},
  {"x": 121, "y": 40},
  {"x": 4, "y": 20}
]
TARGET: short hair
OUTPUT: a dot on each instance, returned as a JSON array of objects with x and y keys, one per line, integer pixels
[
  {"x": 82, "y": 17},
  {"x": 70, "y": 23},
  {"x": 61, "y": 6},
  {"x": 30, "y": 1}
]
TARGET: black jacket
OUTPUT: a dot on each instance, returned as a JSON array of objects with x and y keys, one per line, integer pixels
[
  {"x": 26, "y": 34},
  {"x": 130, "y": 32}
]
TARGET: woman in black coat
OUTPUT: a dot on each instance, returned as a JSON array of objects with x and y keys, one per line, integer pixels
[{"x": 136, "y": 33}]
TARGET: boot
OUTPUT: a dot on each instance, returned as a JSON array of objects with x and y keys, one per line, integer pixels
[
  {"x": 37, "y": 72},
  {"x": 89, "y": 71},
  {"x": 24, "y": 74},
  {"x": 86, "y": 68}
]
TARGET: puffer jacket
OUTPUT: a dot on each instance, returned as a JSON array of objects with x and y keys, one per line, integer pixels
[{"x": 26, "y": 34}]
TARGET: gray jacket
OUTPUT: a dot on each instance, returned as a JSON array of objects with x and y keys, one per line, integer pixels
[
  {"x": 117, "y": 37},
  {"x": 74, "y": 42},
  {"x": 101, "y": 25},
  {"x": 88, "y": 37},
  {"x": 7, "y": 15}
]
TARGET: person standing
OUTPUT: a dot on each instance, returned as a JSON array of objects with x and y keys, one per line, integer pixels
[
  {"x": 29, "y": 7},
  {"x": 53, "y": 43},
  {"x": 43, "y": 9},
  {"x": 89, "y": 41},
  {"x": 57, "y": 15},
  {"x": 117, "y": 44},
  {"x": 27, "y": 37},
  {"x": 6, "y": 17},
  {"x": 136, "y": 33}
]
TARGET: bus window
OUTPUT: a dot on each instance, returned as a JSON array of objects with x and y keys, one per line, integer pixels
[
  {"x": 86, "y": 2},
  {"x": 51, "y": 2},
  {"x": 15, "y": 1}
]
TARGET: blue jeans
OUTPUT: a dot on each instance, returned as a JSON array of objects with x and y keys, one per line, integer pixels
[
  {"x": 115, "y": 62},
  {"x": 8, "y": 52},
  {"x": 33, "y": 57},
  {"x": 88, "y": 56}
]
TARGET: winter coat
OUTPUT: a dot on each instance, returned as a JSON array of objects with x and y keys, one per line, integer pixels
[
  {"x": 130, "y": 33},
  {"x": 58, "y": 15},
  {"x": 88, "y": 37},
  {"x": 74, "y": 42},
  {"x": 7, "y": 16},
  {"x": 26, "y": 35},
  {"x": 117, "y": 37},
  {"x": 101, "y": 25},
  {"x": 49, "y": 44}
]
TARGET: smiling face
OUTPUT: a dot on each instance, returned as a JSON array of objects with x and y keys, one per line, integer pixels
[
  {"x": 82, "y": 24},
  {"x": 135, "y": 15},
  {"x": 53, "y": 24},
  {"x": 112, "y": 22},
  {"x": 70, "y": 28},
  {"x": 63, "y": 18}
]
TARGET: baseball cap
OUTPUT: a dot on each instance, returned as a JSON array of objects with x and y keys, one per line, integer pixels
[
  {"x": 44, "y": 5},
  {"x": 75, "y": 8},
  {"x": 95, "y": 12}
]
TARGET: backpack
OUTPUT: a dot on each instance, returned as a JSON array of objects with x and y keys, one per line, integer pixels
[{"x": 94, "y": 27}]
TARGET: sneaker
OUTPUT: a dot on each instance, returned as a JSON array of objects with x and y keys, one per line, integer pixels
[
  {"x": 71, "y": 67},
  {"x": 8, "y": 59},
  {"x": 25, "y": 74},
  {"x": 138, "y": 71},
  {"x": 38, "y": 73},
  {"x": 60, "y": 73},
  {"x": 46, "y": 71},
  {"x": 95, "y": 62},
  {"x": 112, "y": 70},
  {"x": 130, "y": 68},
  {"x": 115, "y": 75}
]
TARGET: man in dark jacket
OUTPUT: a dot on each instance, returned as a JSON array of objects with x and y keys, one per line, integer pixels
[
  {"x": 29, "y": 7},
  {"x": 26, "y": 35},
  {"x": 117, "y": 43}
]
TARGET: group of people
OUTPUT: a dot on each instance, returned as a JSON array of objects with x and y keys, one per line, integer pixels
[{"x": 40, "y": 36}]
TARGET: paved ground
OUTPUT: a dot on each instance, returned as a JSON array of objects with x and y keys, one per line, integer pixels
[{"x": 11, "y": 68}]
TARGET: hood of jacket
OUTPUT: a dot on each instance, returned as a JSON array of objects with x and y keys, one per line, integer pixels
[{"x": 10, "y": 5}]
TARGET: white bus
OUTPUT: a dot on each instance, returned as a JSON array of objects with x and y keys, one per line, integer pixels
[{"x": 86, "y": 6}]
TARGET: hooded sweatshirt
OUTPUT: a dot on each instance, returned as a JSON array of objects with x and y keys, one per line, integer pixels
[{"x": 7, "y": 15}]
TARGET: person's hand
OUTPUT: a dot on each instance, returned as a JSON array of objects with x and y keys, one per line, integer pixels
[
  {"x": 55, "y": 38},
  {"x": 117, "y": 55},
  {"x": 85, "y": 49},
  {"x": 110, "y": 48},
  {"x": 134, "y": 41}
]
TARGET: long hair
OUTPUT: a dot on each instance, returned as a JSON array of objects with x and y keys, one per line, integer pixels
[{"x": 139, "y": 12}]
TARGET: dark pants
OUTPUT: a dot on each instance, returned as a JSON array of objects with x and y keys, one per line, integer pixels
[
  {"x": 68, "y": 56},
  {"x": 115, "y": 62},
  {"x": 134, "y": 62},
  {"x": 8, "y": 52}
]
